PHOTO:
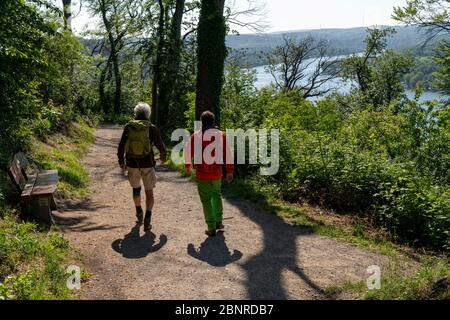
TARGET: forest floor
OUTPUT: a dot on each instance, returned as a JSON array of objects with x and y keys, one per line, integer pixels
[{"x": 259, "y": 256}]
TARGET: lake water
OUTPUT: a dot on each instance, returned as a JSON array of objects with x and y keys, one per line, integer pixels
[{"x": 265, "y": 79}]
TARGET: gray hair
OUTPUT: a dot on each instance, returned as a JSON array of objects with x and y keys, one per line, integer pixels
[{"x": 142, "y": 109}]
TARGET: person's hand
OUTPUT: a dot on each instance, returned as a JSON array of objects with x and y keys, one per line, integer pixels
[
  {"x": 123, "y": 167},
  {"x": 188, "y": 170},
  {"x": 162, "y": 159},
  {"x": 230, "y": 177}
]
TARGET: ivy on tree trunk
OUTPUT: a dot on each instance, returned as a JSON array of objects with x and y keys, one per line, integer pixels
[
  {"x": 167, "y": 97},
  {"x": 211, "y": 53},
  {"x": 156, "y": 106}
]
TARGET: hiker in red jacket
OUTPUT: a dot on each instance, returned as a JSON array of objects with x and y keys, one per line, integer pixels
[{"x": 208, "y": 169}]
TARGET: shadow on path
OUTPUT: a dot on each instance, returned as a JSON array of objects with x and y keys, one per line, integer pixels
[
  {"x": 279, "y": 253},
  {"x": 80, "y": 205},
  {"x": 214, "y": 251},
  {"x": 135, "y": 246}
]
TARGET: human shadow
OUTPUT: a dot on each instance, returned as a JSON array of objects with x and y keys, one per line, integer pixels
[
  {"x": 135, "y": 246},
  {"x": 214, "y": 251},
  {"x": 279, "y": 253}
]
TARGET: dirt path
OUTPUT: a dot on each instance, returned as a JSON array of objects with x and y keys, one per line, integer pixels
[{"x": 258, "y": 257}]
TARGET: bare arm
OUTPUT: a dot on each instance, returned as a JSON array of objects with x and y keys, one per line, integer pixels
[
  {"x": 121, "y": 148},
  {"x": 159, "y": 144}
]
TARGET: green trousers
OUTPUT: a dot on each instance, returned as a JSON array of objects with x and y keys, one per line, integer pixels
[{"x": 210, "y": 196}]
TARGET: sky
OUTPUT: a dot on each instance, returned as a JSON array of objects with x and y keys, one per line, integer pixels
[{"x": 285, "y": 15}]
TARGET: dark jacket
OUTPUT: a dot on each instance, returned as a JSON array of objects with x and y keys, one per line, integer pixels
[{"x": 147, "y": 162}]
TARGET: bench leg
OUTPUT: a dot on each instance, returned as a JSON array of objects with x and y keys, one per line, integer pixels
[
  {"x": 53, "y": 205},
  {"x": 41, "y": 209}
]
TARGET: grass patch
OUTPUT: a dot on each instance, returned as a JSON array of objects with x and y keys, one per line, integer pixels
[
  {"x": 31, "y": 261},
  {"x": 431, "y": 281},
  {"x": 64, "y": 153}
]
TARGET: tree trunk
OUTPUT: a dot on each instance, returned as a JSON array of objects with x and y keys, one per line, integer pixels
[
  {"x": 175, "y": 35},
  {"x": 211, "y": 54},
  {"x": 113, "y": 56},
  {"x": 101, "y": 88},
  {"x": 67, "y": 10},
  {"x": 168, "y": 85},
  {"x": 156, "y": 107},
  {"x": 118, "y": 79}
]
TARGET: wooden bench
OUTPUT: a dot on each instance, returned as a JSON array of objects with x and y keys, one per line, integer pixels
[{"x": 37, "y": 188}]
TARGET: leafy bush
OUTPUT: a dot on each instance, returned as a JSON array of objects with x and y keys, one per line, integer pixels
[
  {"x": 415, "y": 212},
  {"x": 42, "y": 127},
  {"x": 389, "y": 162}
]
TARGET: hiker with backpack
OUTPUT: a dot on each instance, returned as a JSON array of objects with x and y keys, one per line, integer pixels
[
  {"x": 209, "y": 172},
  {"x": 135, "y": 154}
]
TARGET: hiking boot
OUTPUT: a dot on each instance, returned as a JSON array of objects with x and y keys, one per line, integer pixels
[
  {"x": 210, "y": 233},
  {"x": 139, "y": 216},
  {"x": 147, "y": 221},
  {"x": 220, "y": 226}
]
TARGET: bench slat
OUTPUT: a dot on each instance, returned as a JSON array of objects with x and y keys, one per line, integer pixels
[
  {"x": 16, "y": 175},
  {"x": 23, "y": 161},
  {"x": 45, "y": 183},
  {"x": 37, "y": 188},
  {"x": 28, "y": 189}
]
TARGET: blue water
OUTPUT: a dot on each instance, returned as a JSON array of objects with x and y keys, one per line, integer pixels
[{"x": 265, "y": 79}]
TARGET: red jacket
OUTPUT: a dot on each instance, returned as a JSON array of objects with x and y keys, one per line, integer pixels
[{"x": 205, "y": 171}]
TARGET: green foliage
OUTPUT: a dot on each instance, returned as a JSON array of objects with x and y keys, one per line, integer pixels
[
  {"x": 45, "y": 75},
  {"x": 189, "y": 114},
  {"x": 389, "y": 163},
  {"x": 238, "y": 90},
  {"x": 64, "y": 153},
  {"x": 120, "y": 119},
  {"x": 414, "y": 211},
  {"x": 434, "y": 17},
  {"x": 443, "y": 59},
  {"x": 388, "y": 71},
  {"x": 378, "y": 72},
  {"x": 31, "y": 262},
  {"x": 18, "y": 287},
  {"x": 423, "y": 74},
  {"x": 432, "y": 14},
  {"x": 21, "y": 62}
]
